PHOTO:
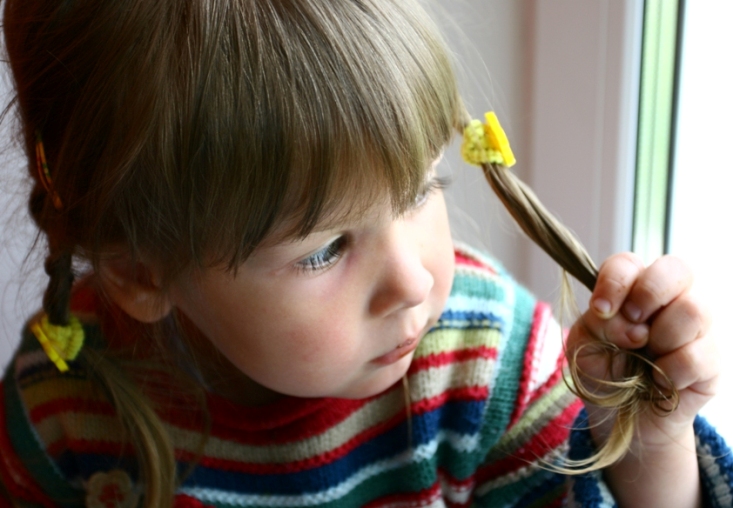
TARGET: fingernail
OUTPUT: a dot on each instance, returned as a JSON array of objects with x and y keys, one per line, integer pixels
[
  {"x": 638, "y": 334},
  {"x": 602, "y": 307},
  {"x": 632, "y": 311}
]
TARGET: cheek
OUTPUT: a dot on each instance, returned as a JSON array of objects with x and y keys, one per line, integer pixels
[
  {"x": 442, "y": 257},
  {"x": 306, "y": 345}
]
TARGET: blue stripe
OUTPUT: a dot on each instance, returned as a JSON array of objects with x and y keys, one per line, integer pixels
[
  {"x": 586, "y": 489},
  {"x": 469, "y": 320}
]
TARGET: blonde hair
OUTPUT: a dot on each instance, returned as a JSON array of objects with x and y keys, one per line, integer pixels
[
  {"x": 636, "y": 390},
  {"x": 186, "y": 131}
]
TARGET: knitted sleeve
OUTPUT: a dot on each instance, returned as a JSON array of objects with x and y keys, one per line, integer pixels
[
  {"x": 532, "y": 420},
  {"x": 714, "y": 459}
]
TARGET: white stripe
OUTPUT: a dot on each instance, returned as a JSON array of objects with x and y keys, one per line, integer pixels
[
  {"x": 434, "y": 381},
  {"x": 721, "y": 489},
  {"x": 523, "y": 472},
  {"x": 549, "y": 348},
  {"x": 458, "y": 494},
  {"x": 31, "y": 359}
]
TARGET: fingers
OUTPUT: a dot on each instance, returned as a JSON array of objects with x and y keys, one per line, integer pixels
[
  {"x": 634, "y": 307},
  {"x": 684, "y": 320},
  {"x": 616, "y": 277},
  {"x": 627, "y": 295},
  {"x": 657, "y": 286},
  {"x": 625, "y": 285},
  {"x": 692, "y": 365}
]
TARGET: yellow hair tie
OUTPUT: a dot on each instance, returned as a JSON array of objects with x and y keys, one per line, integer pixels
[
  {"x": 486, "y": 143},
  {"x": 60, "y": 343}
]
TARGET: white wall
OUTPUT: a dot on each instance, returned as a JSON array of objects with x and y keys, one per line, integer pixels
[
  {"x": 21, "y": 273},
  {"x": 563, "y": 77}
]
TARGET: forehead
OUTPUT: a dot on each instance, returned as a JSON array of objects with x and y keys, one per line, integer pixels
[{"x": 364, "y": 199}]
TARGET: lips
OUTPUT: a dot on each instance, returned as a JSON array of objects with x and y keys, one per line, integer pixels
[{"x": 399, "y": 352}]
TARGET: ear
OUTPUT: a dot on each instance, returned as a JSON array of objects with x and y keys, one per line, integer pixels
[{"x": 135, "y": 287}]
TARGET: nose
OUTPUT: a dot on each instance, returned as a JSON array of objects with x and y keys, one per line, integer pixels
[{"x": 401, "y": 280}]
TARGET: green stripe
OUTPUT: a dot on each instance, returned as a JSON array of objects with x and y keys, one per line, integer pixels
[
  {"x": 486, "y": 289},
  {"x": 508, "y": 495},
  {"x": 30, "y": 451},
  {"x": 504, "y": 394}
]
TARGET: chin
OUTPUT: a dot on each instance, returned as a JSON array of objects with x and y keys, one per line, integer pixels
[{"x": 380, "y": 380}]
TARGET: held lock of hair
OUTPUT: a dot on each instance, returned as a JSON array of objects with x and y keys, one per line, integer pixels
[{"x": 625, "y": 396}]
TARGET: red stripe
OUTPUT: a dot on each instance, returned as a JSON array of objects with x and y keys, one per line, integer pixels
[
  {"x": 282, "y": 425},
  {"x": 551, "y": 382},
  {"x": 70, "y": 405},
  {"x": 550, "y": 437},
  {"x": 542, "y": 314},
  {"x": 13, "y": 473},
  {"x": 467, "y": 394},
  {"x": 288, "y": 420},
  {"x": 411, "y": 499},
  {"x": 452, "y": 357},
  {"x": 454, "y": 484},
  {"x": 557, "y": 503},
  {"x": 464, "y": 260}
]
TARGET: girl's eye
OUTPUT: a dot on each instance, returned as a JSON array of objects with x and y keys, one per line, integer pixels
[
  {"x": 324, "y": 258},
  {"x": 434, "y": 184}
]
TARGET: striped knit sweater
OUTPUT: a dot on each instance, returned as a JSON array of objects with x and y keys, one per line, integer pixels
[{"x": 488, "y": 410}]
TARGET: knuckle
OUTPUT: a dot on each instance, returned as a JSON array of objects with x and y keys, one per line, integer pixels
[
  {"x": 619, "y": 272},
  {"x": 694, "y": 312},
  {"x": 688, "y": 358},
  {"x": 632, "y": 259},
  {"x": 650, "y": 291},
  {"x": 670, "y": 259}
]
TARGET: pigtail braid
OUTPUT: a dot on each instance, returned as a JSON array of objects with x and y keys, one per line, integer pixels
[
  {"x": 637, "y": 389},
  {"x": 143, "y": 426},
  {"x": 58, "y": 266}
]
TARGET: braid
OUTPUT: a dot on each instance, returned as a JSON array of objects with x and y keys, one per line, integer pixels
[
  {"x": 637, "y": 389},
  {"x": 57, "y": 295}
]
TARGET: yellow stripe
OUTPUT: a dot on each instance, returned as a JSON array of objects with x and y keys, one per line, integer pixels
[
  {"x": 449, "y": 339},
  {"x": 59, "y": 388}
]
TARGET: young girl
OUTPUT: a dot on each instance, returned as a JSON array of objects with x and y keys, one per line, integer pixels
[{"x": 269, "y": 309}]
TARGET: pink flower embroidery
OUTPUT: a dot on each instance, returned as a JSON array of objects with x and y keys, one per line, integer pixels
[{"x": 112, "y": 489}]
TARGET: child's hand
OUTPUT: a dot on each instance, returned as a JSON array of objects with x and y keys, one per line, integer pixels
[{"x": 651, "y": 309}]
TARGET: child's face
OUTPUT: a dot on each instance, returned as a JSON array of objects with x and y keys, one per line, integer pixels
[{"x": 337, "y": 314}]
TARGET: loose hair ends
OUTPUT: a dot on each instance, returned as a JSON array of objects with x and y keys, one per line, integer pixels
[{"x": 636, "y": 390}]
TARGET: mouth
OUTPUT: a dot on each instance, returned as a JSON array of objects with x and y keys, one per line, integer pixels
[{"x": 399, "y": 352}]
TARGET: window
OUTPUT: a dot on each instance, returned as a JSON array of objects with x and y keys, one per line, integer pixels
[{"x": 700, "y": 210}]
